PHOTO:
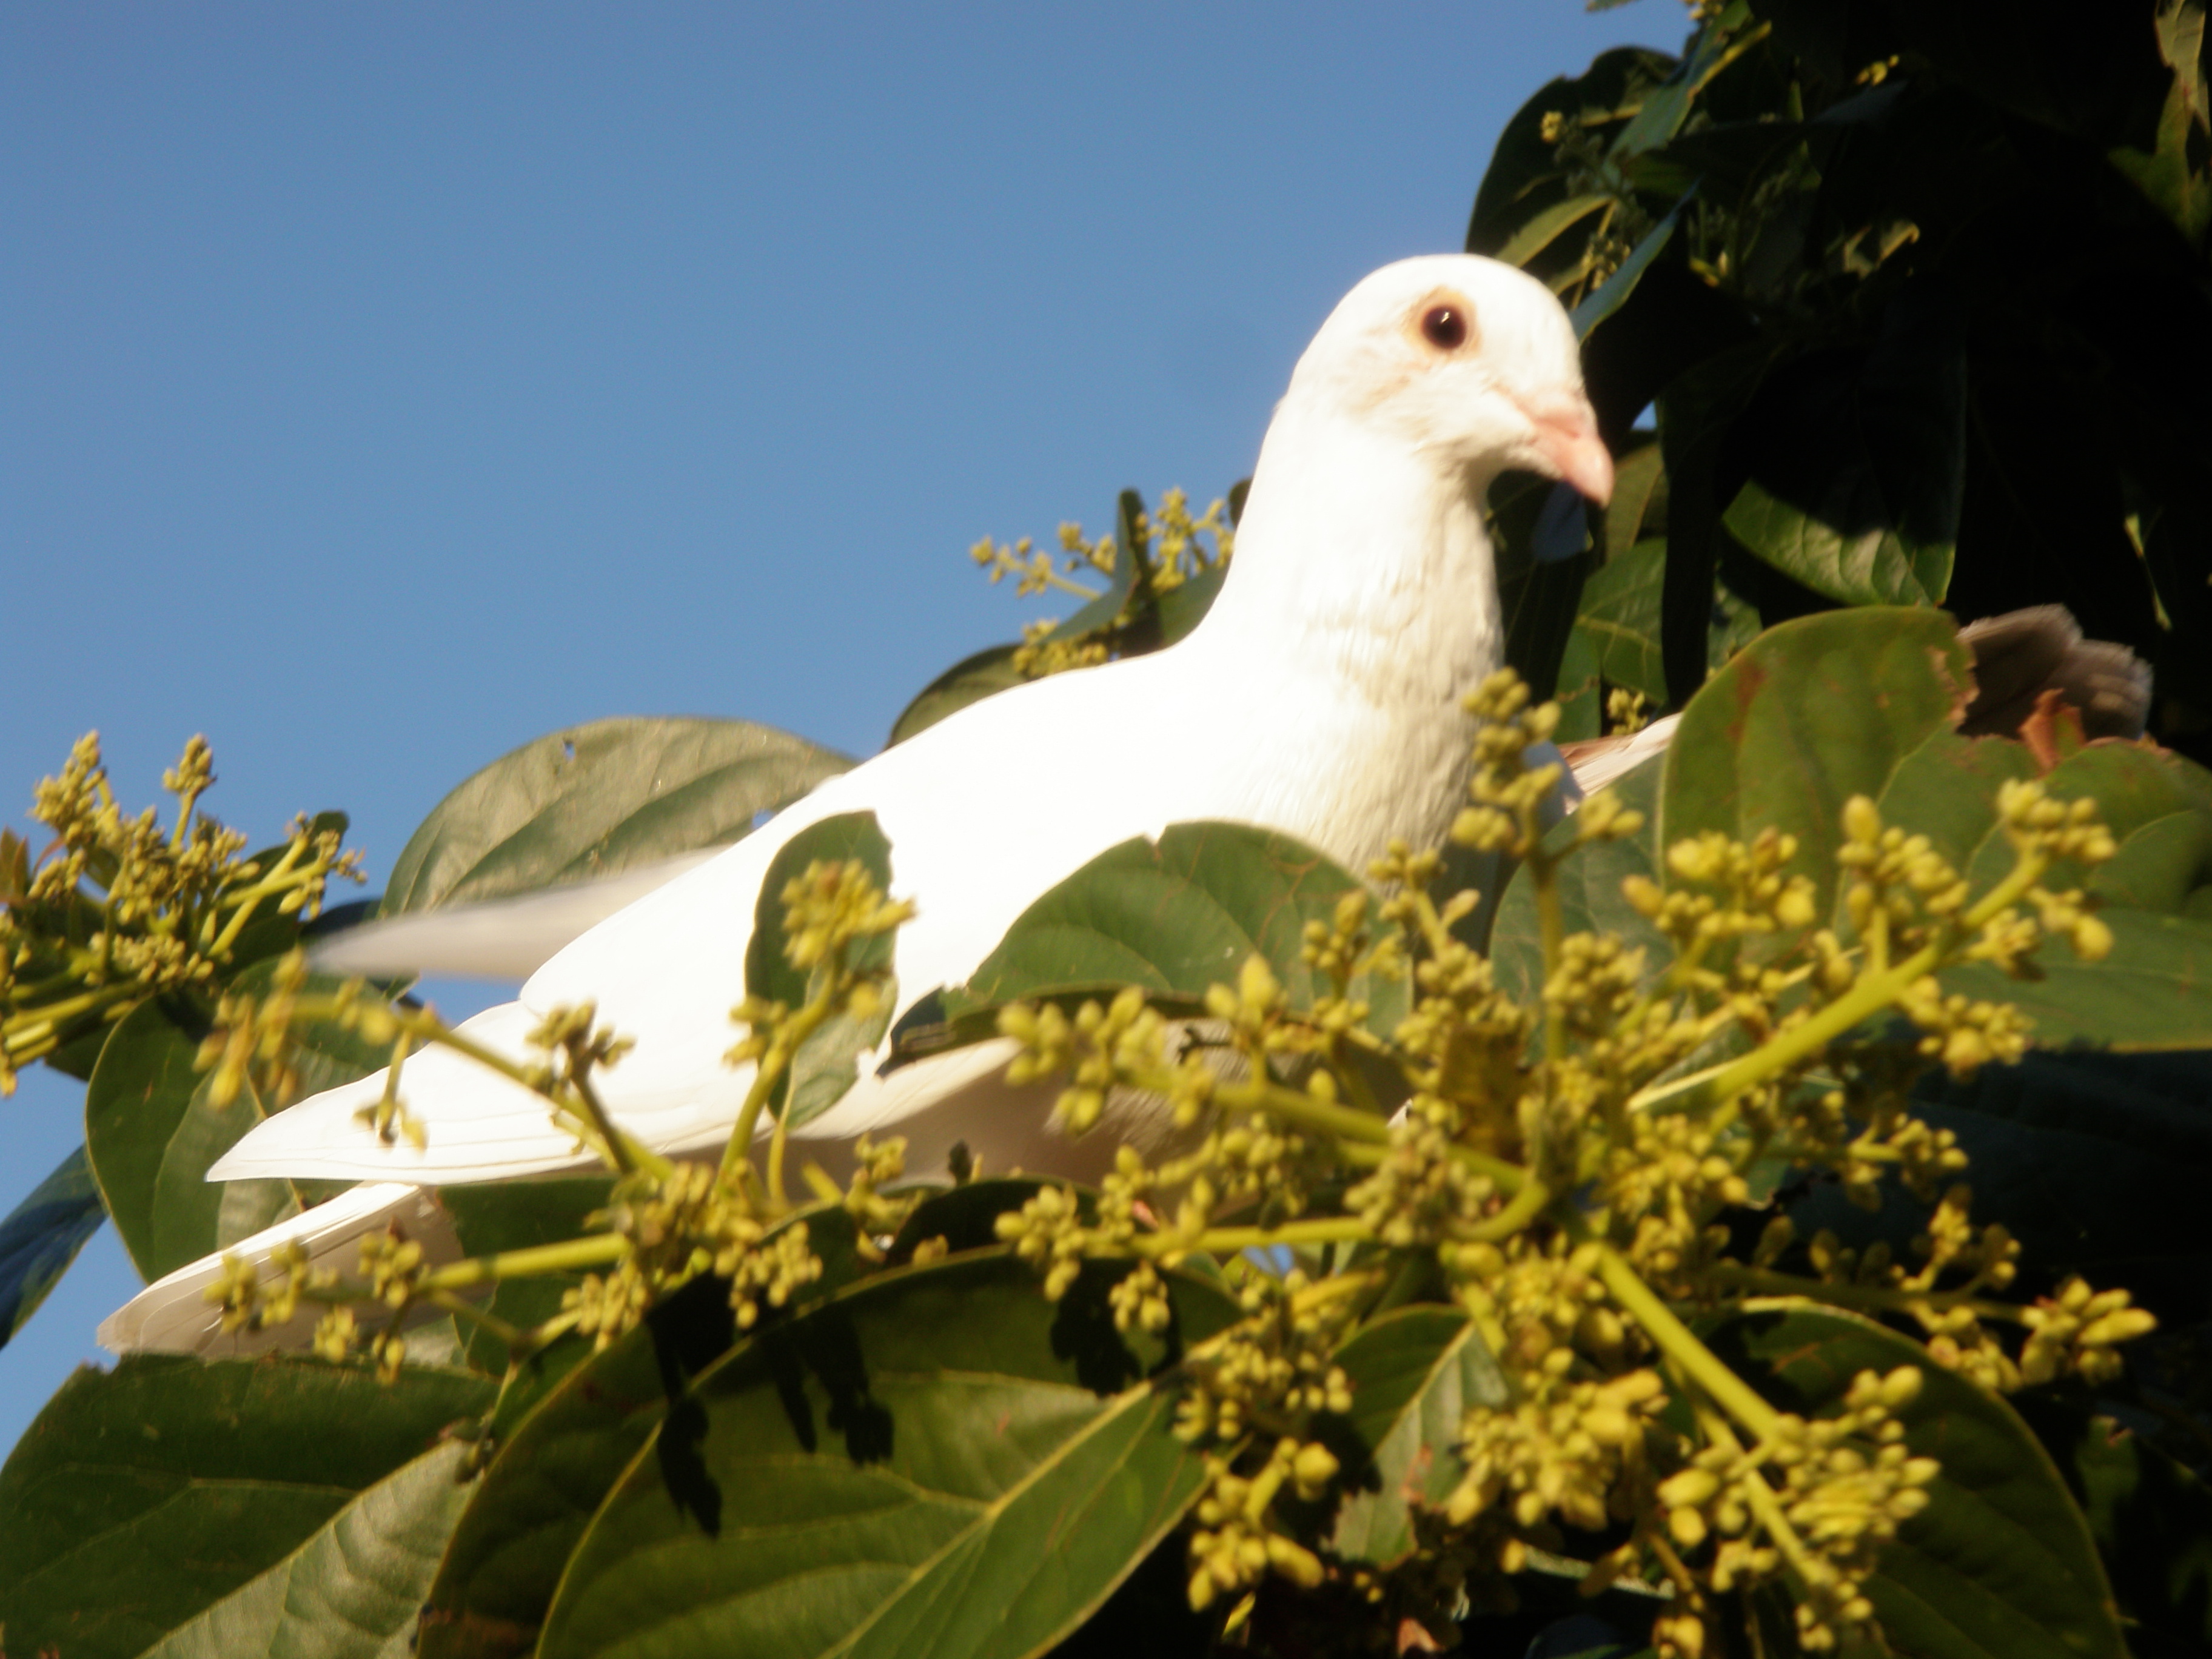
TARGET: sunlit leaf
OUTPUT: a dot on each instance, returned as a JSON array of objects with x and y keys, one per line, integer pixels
[{"x": 597, "y": 798}]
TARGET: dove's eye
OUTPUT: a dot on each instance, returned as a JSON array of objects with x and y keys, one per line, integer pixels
[{"x": 1445, "y": 326}]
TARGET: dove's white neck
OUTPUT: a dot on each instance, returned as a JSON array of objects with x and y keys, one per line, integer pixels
[{"x": 1362, "y": 559}]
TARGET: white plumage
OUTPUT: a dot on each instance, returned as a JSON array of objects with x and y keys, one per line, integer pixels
[{"x": 1319, "y": 697}]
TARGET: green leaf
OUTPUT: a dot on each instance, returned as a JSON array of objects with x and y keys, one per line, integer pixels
[
  {"x": 352, "y": 1589},
  {"x": 140, "y": 1094},
  {"x": 1620, "y": 608},
  {"x": 1808, "y": 715},
  {"x": 2153, "y": 991},
  {"x": 1858, "y": 463},
  {"x": 1175, "y": 916},
  {"x": 1534, "y": 236},
  {"x": 1181, "y": 608},
  {"x": 1609, "y": 295},
  {"x": 152, "y": 1131},
  {"x": 142, "y": 1495},
  {"x": 1415, "y": 1373},
  {"x": 42, "y": 1236},
  {"x": 824, "y": 1068},
  {"x": 592, "y": 799},
  {"x": 2000, "y": 1565},
  {"x": 938, "y": 1462},
  {"x": 489, "y": 1216},
  {"x": 564, "y": 1455},
  {"x": 1638, "y": 511},
  {"x": 970, "y": 680}
]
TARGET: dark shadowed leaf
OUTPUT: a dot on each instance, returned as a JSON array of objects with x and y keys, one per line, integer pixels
[
  {"x": 41, "y": 1237},
  {"x": 2152, "y": 1519},
  {"x": 352, "y": 1589},
  {"x": 1620, "y": 607},
  {"x": 143, "y": 1496},
  {"x": 938, "y": 1462},
  {"x": 1858, "y": 465},
  {"x": 2000, "y": 1565},
  {"x": 599, "y": 798},
  {"x": 1415, "y": 1373}
]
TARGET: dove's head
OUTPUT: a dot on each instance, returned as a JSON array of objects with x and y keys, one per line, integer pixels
[{"x": 1471, "y": 363}]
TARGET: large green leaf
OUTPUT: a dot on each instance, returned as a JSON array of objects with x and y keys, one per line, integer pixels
[
  {"x": 1414, "y": 1373},
  {"x": 1808, "y": 715},
  {"x": 352, "y": 1589},
  {"x": 152, "y": 1129},
  {"x": 139, "y": 1095},
  {"x": 824, "y": 1068},
  {"x": 2000, "y": 1565},
  {"x": 565, "y": 1455},
  {"x": 1174, "y": 916},
  {"x": 2154, "y": 991},
  {"x": 142, "y": 1495},
  {"x": 41, "y": 1237},
  {"x": 592, "y": 799},
  {"x": 938, "y": 1462}
]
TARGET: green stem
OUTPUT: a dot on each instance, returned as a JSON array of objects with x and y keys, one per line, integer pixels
[
  {"x": 1889, "y": 1299},
  {"x": 1527, "y": 1205},
  {"x": 596, "y": 1251},
  {"x": 460, "y": 1307},
  {"x": 1678, "y": 1342},
  {"x": 618, "y": 1145}
]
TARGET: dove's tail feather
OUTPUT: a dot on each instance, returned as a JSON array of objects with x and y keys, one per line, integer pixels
[{"x": 174, "y": 1315}]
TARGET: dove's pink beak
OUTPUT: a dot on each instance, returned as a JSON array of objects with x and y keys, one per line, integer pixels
[{"x": 1567, "y": 438}]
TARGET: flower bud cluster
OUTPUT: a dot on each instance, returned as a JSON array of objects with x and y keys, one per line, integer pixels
[
  {"x": 247, "y": 1306},
  {"x": 1420, "y": 1195},
  {"x": 1277, "y": 1363},
  {"x": 1508, "y": 795},
  {"x": 1235, "y": 1545},
  {"x": 1846, "y": 1484},
  {"x": 2076, "y": 1331},
  {"x": 117, "y": 908},
  {"x": 832, "y": 904},
  {"x": 1567, "y": 1446}
]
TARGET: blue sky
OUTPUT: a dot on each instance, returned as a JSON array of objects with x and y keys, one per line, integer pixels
[{"x": 382, "y": 385}]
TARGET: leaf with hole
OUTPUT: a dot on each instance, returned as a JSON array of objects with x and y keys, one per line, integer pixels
[{"x": 597, "y": 799}]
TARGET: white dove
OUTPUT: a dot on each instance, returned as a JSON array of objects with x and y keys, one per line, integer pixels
[{"x": 1319, "y": 697}]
